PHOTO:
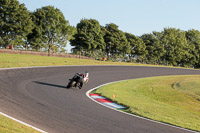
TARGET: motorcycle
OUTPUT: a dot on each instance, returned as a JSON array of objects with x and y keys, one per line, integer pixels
[{"x": 78, "y": 80}]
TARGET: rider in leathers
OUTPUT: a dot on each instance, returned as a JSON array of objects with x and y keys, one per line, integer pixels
[{"x": 81, "y": 78}]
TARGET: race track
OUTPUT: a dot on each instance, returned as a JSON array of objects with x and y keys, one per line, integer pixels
[{"x": 38, "y": 96}]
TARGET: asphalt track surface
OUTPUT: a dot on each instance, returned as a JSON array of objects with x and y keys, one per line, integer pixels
[{"x": 38, "y": 97}]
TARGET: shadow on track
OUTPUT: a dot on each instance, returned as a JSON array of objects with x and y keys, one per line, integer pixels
[{"x": 49, "y": 84}]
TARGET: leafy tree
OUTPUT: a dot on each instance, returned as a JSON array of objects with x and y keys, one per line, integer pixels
[
  {"x": 116, "y": 42},
  {"x": 51, "y": 28},
  {"x": 176, "y": 46},
  {"x": 35, "y": 38},
  {"x": 155, "y": 50},
  {"x": 15, "y": 23},
  {"x": 88, "y": 38},
  {"x": 138, "y": 47},
  {"x": 193, "y": 37}
]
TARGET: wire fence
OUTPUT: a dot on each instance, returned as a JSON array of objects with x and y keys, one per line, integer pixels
[{"x": 65, "y": 55}]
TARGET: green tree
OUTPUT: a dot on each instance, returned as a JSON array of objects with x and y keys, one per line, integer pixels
[
  {"x": 88, "y": 39},
  {"x": 15, "y": 23},
  {"x": 35, "y": 38},
  {"x": 155, "y": 50},
  {"x": 116, "y": 42},
  {"x": 51, "y": 28},
  {"x": 138, "y": 47},
  {"x": 176, "y": 46},
  {"x": 193, "y": 37}
]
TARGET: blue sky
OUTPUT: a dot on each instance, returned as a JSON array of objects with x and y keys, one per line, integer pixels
[{"x": 133, "y": 16}]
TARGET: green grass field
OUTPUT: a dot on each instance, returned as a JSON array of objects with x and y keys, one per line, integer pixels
[
  {"x": 10, "y": 126},
  {"x": 20, "y": 60},
  {"x": 169, "y": 99}
]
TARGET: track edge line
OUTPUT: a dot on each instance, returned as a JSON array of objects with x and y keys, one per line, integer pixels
[{"x": 21, "y": 122}]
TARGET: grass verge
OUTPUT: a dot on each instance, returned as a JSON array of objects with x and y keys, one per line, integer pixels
[
  {"x": 20, "y": 60},
  {"x": 10, "y": 126},
  {"x": 169, "y": 99}
]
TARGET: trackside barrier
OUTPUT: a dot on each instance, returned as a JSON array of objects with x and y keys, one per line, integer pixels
[{"x": 10, "y": 51}]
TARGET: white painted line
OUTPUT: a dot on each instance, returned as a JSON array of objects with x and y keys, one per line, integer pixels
[
  {"x": 88, "y": 95},
  {"x": 23, "y": 123}
]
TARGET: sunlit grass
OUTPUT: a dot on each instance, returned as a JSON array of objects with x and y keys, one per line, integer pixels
[
  {"x": 9, "y": 126},
  {"x": 20, "y": 60},
  {"x": 169, "y": 99}
]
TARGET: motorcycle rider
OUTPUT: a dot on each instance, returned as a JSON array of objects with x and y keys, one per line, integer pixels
[{"x": 80, "y": 79}]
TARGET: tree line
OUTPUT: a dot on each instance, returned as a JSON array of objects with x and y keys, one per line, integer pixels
[
  {"x": 172, "y": 47},
  {"x": 46, "y": 29}
]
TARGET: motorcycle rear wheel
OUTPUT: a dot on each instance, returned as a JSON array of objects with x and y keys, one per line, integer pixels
[{"x": 71, "y": 84}]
